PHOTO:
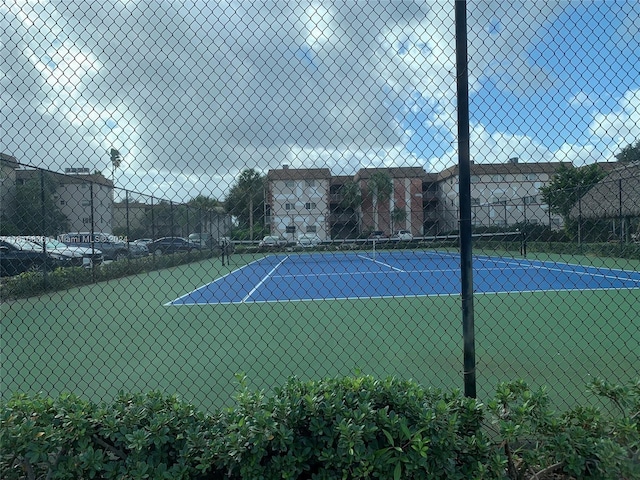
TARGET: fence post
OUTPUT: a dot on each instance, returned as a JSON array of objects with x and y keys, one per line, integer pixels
[
  {"x": 464, "y": 160},
  {"x": 126, "y": 202},
  {"x": 43, "y": 210},
  {"x": 187, "y": 232},
  {"x": 171, "y": 217},
  {"x": 153, "y": 226},
  {"x": 93, "y": 240}
]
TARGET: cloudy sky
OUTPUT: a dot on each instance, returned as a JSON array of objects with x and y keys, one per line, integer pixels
[{"x": 193, "y": 92}]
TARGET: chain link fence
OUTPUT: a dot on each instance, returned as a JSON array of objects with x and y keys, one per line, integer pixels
[{"x": 273, "y": 189}]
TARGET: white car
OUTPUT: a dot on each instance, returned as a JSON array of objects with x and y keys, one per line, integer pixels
[
  {"x": 272, "y": 241},
  {"x": 306, "y": 241},
  {"x": 403, "y": 235},
  {"x": 74, "y": 256}
]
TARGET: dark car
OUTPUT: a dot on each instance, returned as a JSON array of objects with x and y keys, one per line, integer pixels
[
  {"x": 167, "y": 245},
  {"x": 19, "y": 256},
  {"x": 110, "y": 246},
  {"x": 377, "y": 235}
]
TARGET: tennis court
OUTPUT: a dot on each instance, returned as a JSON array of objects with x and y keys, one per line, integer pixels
[
  {"x": 555, "y": 322},
  {"x": 351, "y": 275}
]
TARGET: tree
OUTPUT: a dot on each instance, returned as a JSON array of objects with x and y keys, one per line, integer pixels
[
  {"x": 245, "y": 200},
  {"x": 199, "y": 209},
  {"x": 204, "y": 203},
  {"x": 351, "y": 195},
  {"x": 568, "y": 185},
  {"x": 398, "y": 215},
  {"x": 630, "y": 153},
  {"x": 381, "y": 187},
  {"x": 30, "y": 199}
]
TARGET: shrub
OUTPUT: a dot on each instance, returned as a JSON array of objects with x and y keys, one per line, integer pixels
[
  {"x": 35, "y": 283},
  {"x": 344, "y": 428}
]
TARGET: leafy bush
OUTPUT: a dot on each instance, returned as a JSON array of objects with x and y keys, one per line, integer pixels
[
  {"x": 35, "y": 283},
  {"x": 345, "y": 428},
  {"x": 608, "y": 249},
  {"x": 580, "y": 443}
]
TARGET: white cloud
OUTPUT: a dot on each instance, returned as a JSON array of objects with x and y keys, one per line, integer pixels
[
  {"x": 622, "y": 125},
  {"x": 196, "y": 91}
]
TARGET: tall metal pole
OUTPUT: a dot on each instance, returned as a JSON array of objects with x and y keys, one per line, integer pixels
[
  {"x": 43, "y": 212},
  {"x": 464, "y": 169}
]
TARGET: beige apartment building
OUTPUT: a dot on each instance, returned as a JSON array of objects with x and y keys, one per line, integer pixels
[
  {"x": 501, "y": 195},
  {"x": 85, "y": 199},
  {"x": 299, "y": 202},
  {"x": 310, "y": 200},
  {"x": 8, "y": 167}
]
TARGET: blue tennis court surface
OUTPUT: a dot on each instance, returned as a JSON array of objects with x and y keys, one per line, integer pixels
[{"x": 333, "y": 276}]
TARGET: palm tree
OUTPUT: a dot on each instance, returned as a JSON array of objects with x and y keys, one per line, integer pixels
[
  {"x": 398, "y": 215},
  {"x": 381, "y": 187}
]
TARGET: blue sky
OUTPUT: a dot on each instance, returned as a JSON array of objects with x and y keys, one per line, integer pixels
[{"x": 193, "y": 92}]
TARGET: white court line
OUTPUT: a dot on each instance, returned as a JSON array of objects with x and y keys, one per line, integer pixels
[
  {"x": 263, "y": 280},
  {"x": 381, "y": 263},
  {"x": 170, "y": 304}
]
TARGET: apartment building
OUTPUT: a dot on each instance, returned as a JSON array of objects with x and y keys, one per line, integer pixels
[
  {"x": 501, "y": 194},
  {"x": 299, "y": 201},
  {"x": 82, "y": 197},
  {"x": 423, "y": 203},
  {"x": 402, "y": 210},
  {"x": 8, "y": 167}
]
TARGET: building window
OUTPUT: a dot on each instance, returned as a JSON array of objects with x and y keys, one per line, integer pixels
[
  {"x": 290, "y": 183},
  {"x": 310, "y": 205},
  {"x": 62, "y": 202},
  {"x": 311, "y": 229},
  {"x": 531, "y": 176},
  {"x": 86, "y": 220},
  {"x": 310, "y": 183},
  {"x": 498, "y": 178},
  {"x": 288, "y": 206},
  {"x": 529, "y": 200},
  {"x": 475, "y": 179}
]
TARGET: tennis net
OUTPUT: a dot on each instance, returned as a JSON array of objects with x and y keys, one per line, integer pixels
[{"x": 440, "y": 246}]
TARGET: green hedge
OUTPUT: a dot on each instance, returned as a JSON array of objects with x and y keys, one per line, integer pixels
[
  {"x": 35, "y": 283},
  {"x": 344, "y": 428},
  {"x": 606, "y": 249}
]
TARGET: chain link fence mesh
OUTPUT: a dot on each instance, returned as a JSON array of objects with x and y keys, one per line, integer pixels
[{"x": 193, "y": 190}]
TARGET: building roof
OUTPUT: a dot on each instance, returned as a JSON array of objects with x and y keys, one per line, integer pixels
[
  {"x": 505, "y": 168},
  {"x": 65, "y": 179},
  {"x": 298, "y": 174},
  {"x": 341, "y": 179},
  {"x": 616, "y": 195},
  {"x": 393, "y": 172},
  {"x": 8, "y": 160}
]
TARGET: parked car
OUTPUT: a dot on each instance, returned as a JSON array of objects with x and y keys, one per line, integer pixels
[
  {"x": 111, "y": 247},
  {"x": 18, "y": 256},
  {"x": 74, "y": 256},
  {"x": 308, "y": 240},
  {"x": 168, "y": 245},
  {"x": 272, "y": 241},
  {"x": 143, "y": 241},
  {"x": 377, "y": 235},
  {"x": 205, "y": 240},
  {"x": 402, "y": 235},
  {"x": 138, "y": 250}
]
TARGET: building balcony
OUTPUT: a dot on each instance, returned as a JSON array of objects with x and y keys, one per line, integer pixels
[{"x": 342, "y": 218}]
